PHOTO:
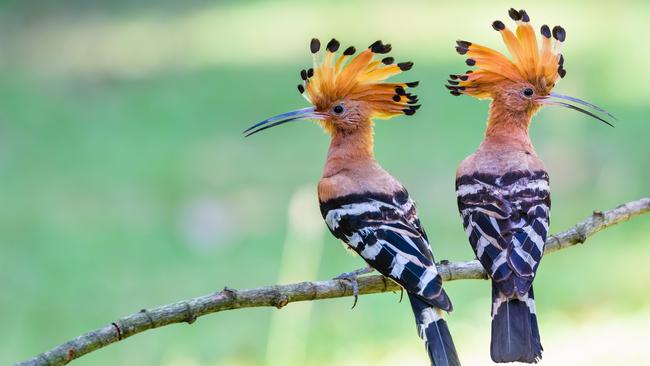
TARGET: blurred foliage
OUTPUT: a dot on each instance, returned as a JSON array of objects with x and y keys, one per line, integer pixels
[{"x": 125, "y": 181}]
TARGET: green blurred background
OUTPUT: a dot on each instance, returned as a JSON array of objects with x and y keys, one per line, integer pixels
[{"x": 125, "y": 181}]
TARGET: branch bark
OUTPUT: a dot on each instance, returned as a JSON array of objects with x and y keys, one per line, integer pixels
[{"x": 187, "y": 311}]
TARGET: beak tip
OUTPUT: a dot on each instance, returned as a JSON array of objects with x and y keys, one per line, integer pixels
[{"x": 577, "y": 108}]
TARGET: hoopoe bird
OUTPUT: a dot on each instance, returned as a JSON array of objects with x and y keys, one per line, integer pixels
[
  {"x": 362, "y": 204},
  {"x": 503, "y": 188}
]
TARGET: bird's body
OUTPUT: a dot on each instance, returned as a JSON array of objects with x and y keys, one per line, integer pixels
[
  {"x": 503, "y": 188},
  {"x": 370, "y": 211},
  {"x": 504, "y": 202},
  {"x": 361, "y": 203}
]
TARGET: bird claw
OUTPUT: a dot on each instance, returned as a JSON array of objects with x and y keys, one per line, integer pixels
[{"x": 351, "y": 278}]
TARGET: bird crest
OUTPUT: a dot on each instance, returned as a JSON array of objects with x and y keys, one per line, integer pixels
[
  {"x": 344, "y": 76},
  {"x": 541, "y": 66},
  {"x": 347, "y": 90}
]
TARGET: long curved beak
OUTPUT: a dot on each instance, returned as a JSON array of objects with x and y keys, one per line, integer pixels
[
  {"x": 559, "y": 100},
  {"x": 304, "y": 113}
]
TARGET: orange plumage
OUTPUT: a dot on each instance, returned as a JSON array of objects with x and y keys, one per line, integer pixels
[
  {"x": 541, "y": 67},
  {"x": 360, "y": 78}
]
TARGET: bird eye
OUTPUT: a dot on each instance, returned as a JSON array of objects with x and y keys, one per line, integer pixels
[
  {"x": 528, "y": 92},
  {"x": 338, "y": 109}
]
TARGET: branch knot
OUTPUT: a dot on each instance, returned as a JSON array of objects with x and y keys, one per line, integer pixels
[
  {"x": 280, "y": 301},
  {"x": 146, "y": 313},
  {"x": 582, "y": 234},
  {"x": 69, "y": 356},
  {"x": 118, "y": 330},
  {"x": 231, "y": 293},
  {"x": 191, "y": 317}
]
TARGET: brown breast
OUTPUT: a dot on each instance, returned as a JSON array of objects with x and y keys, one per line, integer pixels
[
  {"x": 500, "y": 160},
  {"x": 357, "y": 178}
]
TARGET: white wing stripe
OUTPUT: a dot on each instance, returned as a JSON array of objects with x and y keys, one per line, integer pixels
[
  {"x": 480, "y": 246},
  {"x": 525, "y": 256},
  {"x": 370, "y": 251},
  {"x": 524, "y": 184},
  {"x": 429, "y": 275},
  {"x": 398, "y": 265},
  {"x": 532, "y": 235}
]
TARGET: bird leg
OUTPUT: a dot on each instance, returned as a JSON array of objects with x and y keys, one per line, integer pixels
[{"x": 351, "y": 277}]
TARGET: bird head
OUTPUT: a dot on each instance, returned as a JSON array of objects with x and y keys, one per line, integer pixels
[
  {"x": 346, "y": 91},
  {"x": 525, "y": 82}
]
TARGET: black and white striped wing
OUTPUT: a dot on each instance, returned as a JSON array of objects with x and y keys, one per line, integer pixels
[
  {"x": 506, "y": 219},
  {"x": 385, "y": 231}
]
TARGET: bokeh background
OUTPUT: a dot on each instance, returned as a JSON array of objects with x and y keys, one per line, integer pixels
[{"x": 125, "y": 181}]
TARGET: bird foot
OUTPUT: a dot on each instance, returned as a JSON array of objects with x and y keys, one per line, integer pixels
[{"x": 351, "y": 278}]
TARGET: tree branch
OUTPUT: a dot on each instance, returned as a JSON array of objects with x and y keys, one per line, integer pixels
[{"x": 278, "y": 296}]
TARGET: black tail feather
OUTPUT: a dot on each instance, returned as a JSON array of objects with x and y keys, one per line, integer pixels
[
  {"x": 515, "y": 334},
  {"x": 433, "y": 329}
]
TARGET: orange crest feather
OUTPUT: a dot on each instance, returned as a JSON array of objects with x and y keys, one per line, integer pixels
[
  {"x": 540, "y": 66},
  {"x": 360, "y": 78}
]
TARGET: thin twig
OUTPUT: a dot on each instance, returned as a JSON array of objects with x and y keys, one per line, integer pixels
[{"x": 187, "y": 311}]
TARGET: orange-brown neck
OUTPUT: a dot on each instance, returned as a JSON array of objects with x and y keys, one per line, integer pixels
[
  {"x": 349, "y": 149},
  {"x": 507, "y": 128}
]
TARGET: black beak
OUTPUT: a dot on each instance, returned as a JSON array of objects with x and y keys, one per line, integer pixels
[
  {"x": 556, "y": 99},
  {"x": 304, "y": 113}
]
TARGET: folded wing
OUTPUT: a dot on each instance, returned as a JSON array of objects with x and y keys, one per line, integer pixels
[
  {"x": 506, "y": 219},
  {"x": 385, "y": 231}
]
